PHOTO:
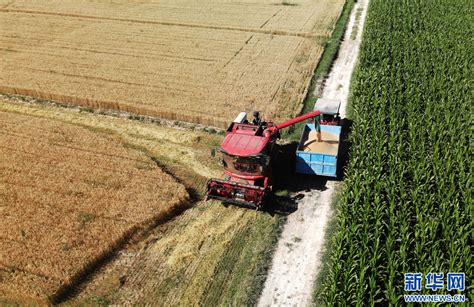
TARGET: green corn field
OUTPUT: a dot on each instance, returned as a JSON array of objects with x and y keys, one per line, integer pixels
[{"x": 407, "y": 199}]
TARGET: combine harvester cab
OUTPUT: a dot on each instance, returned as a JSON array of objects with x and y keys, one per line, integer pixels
[
  {"x": 246, "y": 160},
  {"x": 320, "y": 158}
]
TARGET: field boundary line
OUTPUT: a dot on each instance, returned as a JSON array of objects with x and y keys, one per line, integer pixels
[
  {"x": 167, "y": 23},
  {"x": 160, "y": 121},
  {"x": 73, "y": 101}
]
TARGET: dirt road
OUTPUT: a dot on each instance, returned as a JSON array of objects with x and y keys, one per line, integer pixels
[{"x": 297, "y": 259}]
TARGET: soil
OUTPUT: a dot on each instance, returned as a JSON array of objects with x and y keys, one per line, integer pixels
[{"x": 297, "y": 260}]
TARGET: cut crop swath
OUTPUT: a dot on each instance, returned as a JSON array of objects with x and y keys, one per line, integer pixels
[{"x": 407, "y": 205}]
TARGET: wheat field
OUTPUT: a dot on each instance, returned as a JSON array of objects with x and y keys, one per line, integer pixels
[
  {"x": 179, "y": 60},
  {"x": 207, "y": 255},
  {"x": 69, "y": 195}
]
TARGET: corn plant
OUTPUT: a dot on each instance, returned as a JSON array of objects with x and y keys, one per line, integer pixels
[{"x": 407, "y": 199}]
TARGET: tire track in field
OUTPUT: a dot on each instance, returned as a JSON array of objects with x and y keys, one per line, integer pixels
[{"x": 166, "y": 23}]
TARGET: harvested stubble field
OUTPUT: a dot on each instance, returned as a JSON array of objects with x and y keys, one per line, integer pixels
[
  {"x": 208, "y": 255},
  {"x": 69, "y": 195},
  {"x": 198, "y": 62}
]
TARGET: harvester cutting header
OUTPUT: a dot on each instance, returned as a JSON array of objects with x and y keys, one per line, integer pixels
[{"x": 247, "y": 154}]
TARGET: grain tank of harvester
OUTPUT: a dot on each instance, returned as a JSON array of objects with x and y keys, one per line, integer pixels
[{"x": 247, "y": 151}]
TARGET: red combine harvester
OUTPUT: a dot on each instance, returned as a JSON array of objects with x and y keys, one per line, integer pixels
[{"x": 247, "y": 151}]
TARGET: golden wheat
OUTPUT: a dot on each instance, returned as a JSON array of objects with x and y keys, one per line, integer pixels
[
  {"x": 68, "y": 196},
  {"x": 166, "y": 59}
]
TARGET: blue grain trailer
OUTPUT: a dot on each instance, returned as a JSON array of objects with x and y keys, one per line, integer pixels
[{"x": 317, "y": 153}]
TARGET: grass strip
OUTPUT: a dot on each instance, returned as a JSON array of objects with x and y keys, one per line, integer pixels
[{"x": 331, "y": 48}]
